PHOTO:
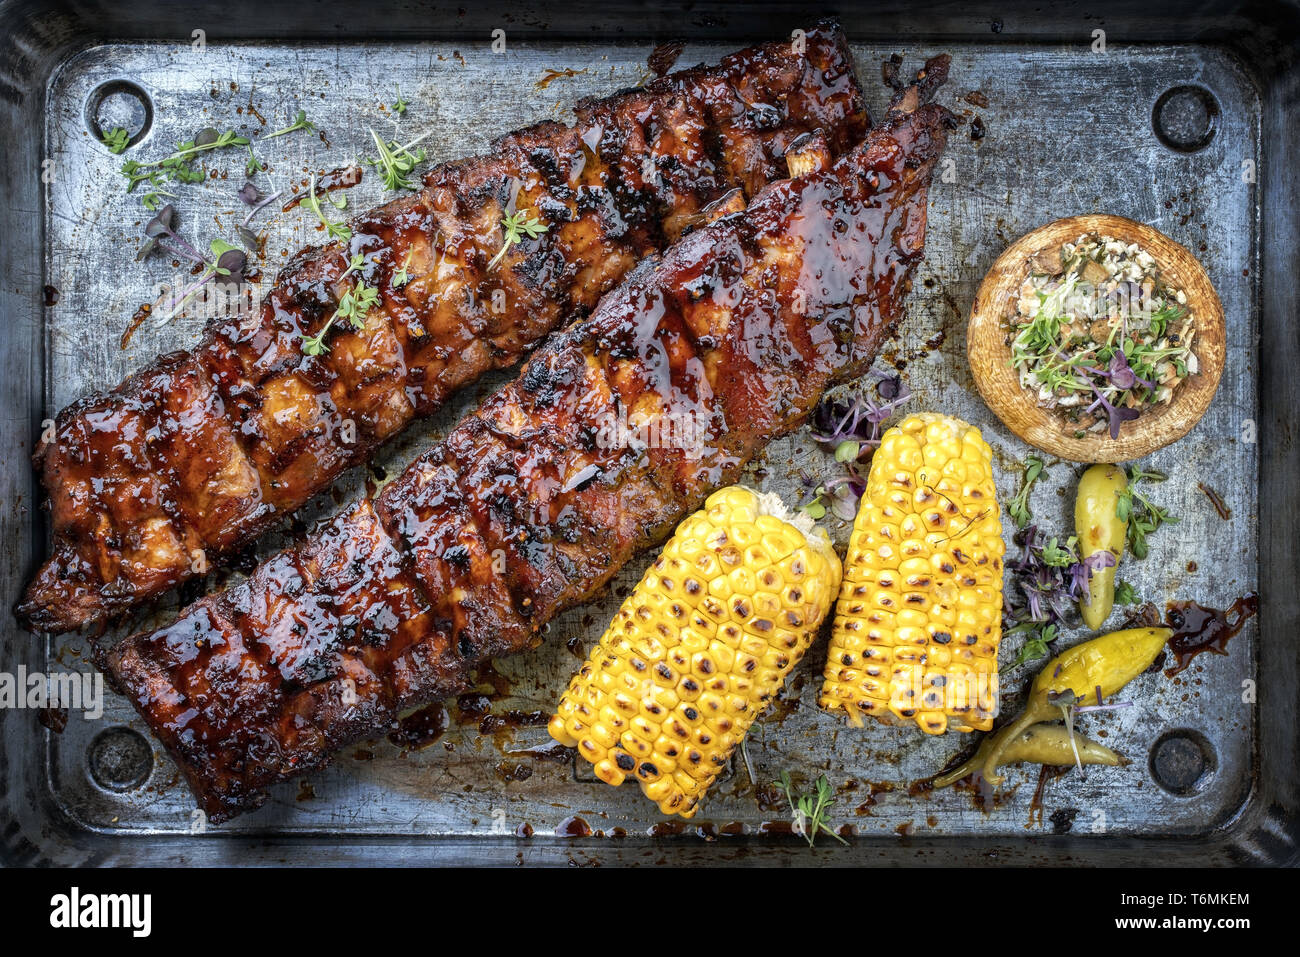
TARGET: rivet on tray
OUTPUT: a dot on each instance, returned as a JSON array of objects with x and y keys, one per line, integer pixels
[
  {"x": 1182, "y": 761},
  {"x": 119, "y": 103},
  {"x": 119, "y": 759},
  {"x": 1186, "y": 118}
]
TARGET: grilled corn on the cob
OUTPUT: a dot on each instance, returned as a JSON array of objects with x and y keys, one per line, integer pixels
[
  {"x": 699, "y": 647},
  {"x": 919, "y": 615}
]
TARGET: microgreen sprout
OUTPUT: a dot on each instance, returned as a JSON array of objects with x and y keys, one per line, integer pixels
[
  {"x": 160, "y": 233},
  {"x": 809, "y": 810},
  {"x": 1018, "y": 507},
  {"x": 177, "y": 166},
  {"x": 300, "y": 122},
  {"x": 250, "y": 195},
  {"x": 226, "y": 261},
  {"x": 514, "y": 227},
  {"x": 1125, "y": 594},
  {"x": 400, "y": 276},
  {"x": 851, "y": 430},
  {"x": 116, "y": 139},
  {"x": 396, "y": 162},
  {"x": 815, "y": 508},
  {"x": 334, "y": 230},
  {"x": 1046, "y": 583},
  {"x": 352, "y": 308},
  {"x": 399, "y": 108},
  {"x": 254, "y": 165},
  {"x": 1141, "y": 514}
]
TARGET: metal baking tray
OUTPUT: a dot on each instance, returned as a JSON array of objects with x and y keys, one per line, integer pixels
[{"x": 1068, "y": 128}]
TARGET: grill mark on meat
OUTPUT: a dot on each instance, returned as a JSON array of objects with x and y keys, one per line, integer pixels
[
  {"x": 196, "y": 455},
  {"x": 393, "y": 602}
]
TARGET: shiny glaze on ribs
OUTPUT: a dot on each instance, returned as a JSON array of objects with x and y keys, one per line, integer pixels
[
  {"x": 190, "y": 459},
  {"x": 391, "y": 604}
]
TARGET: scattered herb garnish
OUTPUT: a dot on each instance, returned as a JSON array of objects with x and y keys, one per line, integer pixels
[
  {"x": 300, "y": 122},
  {"x": 160, "y": 233},
  {"x": 334, "y": 230},
  {"x": 1018, "y": 507},
  {"x": 177, "y": 166},
  {"x": 815, "y": 508},
  {"x": 851, "y": 429},
  {"x": 809, "y": 810},
  {"x": 401, "y": 277},
  {"x": 116, "y": 139},
  {"x": 260, "y": 204},
  {"x": 1142, "y": 515},
  {"x": 515, "y": 226},
  {"x": 396, "y": 162},
  {"x": 226, "y": 261},
  {"x": 352, "y": 308},
  {"x": 1125, "y": 594},
  {"x": 254, "y": 165},
  {"x": 1037, "y": 645},
  {"x": 1045, "y": 586},
  {"x": 250, "y": 195}
]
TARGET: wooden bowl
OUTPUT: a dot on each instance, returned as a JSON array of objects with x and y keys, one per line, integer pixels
[{"x": 989, "y": 351}]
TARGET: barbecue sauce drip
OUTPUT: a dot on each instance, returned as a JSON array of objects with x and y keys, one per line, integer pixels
[
  {"x": 137, "y": 319},
  {"x": 1197, "y": 628},
  {"x": 1046, "y": 774},
  {"x": 345, "y": 177},
  {"x": 573, "y": 827},
  {"x": 421, "y": 729}
]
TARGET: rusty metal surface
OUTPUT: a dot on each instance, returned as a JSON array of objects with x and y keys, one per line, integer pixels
[{"x": 1068, "y": 131}]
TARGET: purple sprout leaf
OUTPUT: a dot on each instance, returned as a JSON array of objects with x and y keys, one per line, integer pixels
[
  {"x": 1116, "y": 414},
  {"x": 162, "y": 224},
  {"x": 1082, "y": 572},
  {"x": 1121, "y": 374},
  {"x": 230, "y": 265},
  {"x": 160, "y": 233},
  {"x": 891, "y": 387},
  {"x": 844, "y": 495},
  {"x": 249, "y": 194}
]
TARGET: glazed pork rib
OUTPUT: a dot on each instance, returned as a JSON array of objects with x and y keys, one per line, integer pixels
[
  {"x": 527, "y": 507},
  {"x": 193, "y": 457}
]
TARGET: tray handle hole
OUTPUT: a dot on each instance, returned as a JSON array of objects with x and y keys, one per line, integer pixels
[
  {"x": 1185, "y": 118},
  {"x": 119, "y": 103},
  {"x": 1183, "y": 761},
  {"x": 119, "y": 759}
]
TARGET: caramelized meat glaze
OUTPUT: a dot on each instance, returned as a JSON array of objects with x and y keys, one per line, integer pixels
[
  {"x": 524, "y": 510},
  {"x": 190, "y": 459}
]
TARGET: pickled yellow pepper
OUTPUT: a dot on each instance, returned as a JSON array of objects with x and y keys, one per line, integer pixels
[
  {"x": 1096, "y": 668},
  {"x": 1099, "y": 528}
]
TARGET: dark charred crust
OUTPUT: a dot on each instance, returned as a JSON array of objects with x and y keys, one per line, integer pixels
[
  {"x": 269, "y": 417},
  {"x": 479, "y": 543}
]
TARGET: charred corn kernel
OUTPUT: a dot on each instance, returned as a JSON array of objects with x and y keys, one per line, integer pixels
[
  {"x": 699, "y": 647},
  {"x": 919, "y": 615}
]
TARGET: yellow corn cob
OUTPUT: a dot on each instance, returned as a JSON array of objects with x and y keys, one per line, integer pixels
[
  {"x": 697, "y": 650},
  {"x": 919, "y": 615}
]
